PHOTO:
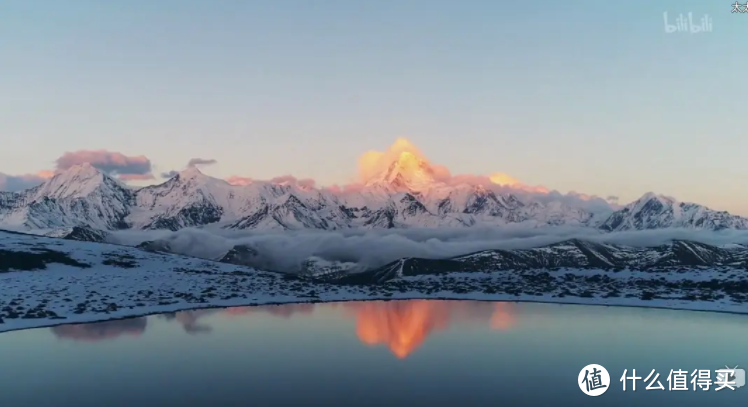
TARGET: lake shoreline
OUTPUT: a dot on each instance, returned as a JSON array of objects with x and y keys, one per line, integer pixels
[
  {"x": 60, "y": 282},
  {"x": 162, "y": 309}
]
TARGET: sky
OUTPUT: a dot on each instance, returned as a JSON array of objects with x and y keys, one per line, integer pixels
[{"x": 586, "y": 96}]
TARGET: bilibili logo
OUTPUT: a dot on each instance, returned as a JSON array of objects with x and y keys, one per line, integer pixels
[{"x": 687, "y": 23}]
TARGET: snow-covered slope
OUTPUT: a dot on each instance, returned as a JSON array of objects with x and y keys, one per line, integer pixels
[
  {"x": 194, "y": 199},
  {"x": 81, "y": 233},
  {"x": 406, "y": 194},
  {"x": 78, "y": 196},
  {"x": 48, "y": 281}
]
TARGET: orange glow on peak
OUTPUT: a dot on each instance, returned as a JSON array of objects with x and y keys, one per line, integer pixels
[
  {"x": 502, "y": 179},
  {"x": 403, "y": 144},
  {"x": 404, "y": 167},
  {"x": 413, "y": 165},
  {"x": 374, "y": 163},
  {"x": 237, "y": 180},
  {"x": 407, "y": 159}
]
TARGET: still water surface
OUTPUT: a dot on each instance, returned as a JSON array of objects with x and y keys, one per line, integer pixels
[{"x": 398, "y": 353}]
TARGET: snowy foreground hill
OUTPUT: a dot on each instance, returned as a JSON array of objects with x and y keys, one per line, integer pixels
[
  {"x": 404, "y": 196},
  {"x": 49, "y": 281}
]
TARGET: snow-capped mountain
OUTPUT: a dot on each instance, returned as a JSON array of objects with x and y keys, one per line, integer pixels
[
  {"x": 407, "y": 194},
  {"x": 406, "y": 174},
  {"x": 78, "y": 196},
  {"x": 656, "y": 211}
]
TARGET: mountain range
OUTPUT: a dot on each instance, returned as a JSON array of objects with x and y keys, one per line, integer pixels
[
  {"x": 405, "y": 195},
  {"x": 571, "y": 254}
]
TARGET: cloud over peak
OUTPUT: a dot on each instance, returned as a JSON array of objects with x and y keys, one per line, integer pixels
[
  {"x": 124, "y": 167},
  {"x": 111, "y": 162},
  {"x": 201, "y": 161},
  {"x": 192, "y": 163},
  {"x": 169, "y": 174}
]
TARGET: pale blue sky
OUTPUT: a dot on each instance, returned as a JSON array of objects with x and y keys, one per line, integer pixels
[{"x": 581, "y": 95}]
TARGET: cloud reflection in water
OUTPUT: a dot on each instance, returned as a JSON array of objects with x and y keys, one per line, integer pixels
[{"x": 100, "y": 331}]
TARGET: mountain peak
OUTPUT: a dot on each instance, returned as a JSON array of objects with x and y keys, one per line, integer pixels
[
  {"x": 651, "y": 203},
  {"x": 78, "y": 174},
  {"x": 191, "y": 172},
  {"x": 84, "y": 170},
  {"x": 77, "y": 181},
  {"x": 651, "y": 196},
  {"x": 407, "y": 172},
  {"x": 194, "y": 177}
]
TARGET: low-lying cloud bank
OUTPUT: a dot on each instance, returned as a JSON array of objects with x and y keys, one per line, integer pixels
[{"x": 287, "y": 250}]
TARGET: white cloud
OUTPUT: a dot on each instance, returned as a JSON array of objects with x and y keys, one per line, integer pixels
[{"x": 286, "y": 250}]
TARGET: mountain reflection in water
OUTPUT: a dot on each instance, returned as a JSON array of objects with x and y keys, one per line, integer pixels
[{"x": 402, "y": 326}]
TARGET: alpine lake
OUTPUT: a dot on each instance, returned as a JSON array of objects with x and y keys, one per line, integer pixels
[{"x": 379, "y": 353}]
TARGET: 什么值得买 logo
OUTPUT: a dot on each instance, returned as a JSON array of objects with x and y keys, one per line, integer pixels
[{"x": 594, "y": 380}]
